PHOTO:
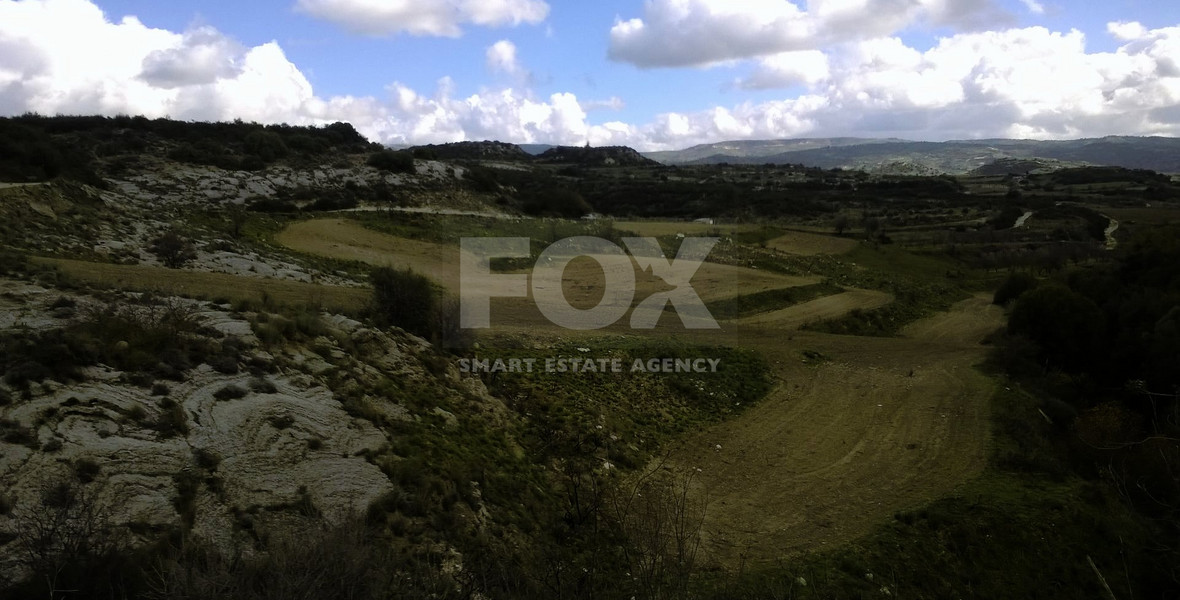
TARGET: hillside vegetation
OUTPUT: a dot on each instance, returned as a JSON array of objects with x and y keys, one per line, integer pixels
[{"x": 231, "y": 366}]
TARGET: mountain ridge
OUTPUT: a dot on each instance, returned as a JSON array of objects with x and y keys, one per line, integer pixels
[{"x": 1156, "y": 153}]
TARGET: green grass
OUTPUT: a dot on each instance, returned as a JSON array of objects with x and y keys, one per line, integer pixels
[{"x": 641, "y": 410}]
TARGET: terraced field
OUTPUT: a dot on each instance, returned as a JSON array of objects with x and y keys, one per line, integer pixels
[{"x": 855, "y": 430}]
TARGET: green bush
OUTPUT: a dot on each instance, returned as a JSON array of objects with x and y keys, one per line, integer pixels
[
  {"x": 403, "y": 298},
  {"x": 1013, "y": 286},
  {"x": 268, "y": 146},
  {"x": 394, "y": 161}
]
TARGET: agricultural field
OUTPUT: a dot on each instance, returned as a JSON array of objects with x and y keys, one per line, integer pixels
[{"x": 226, "y": 370}]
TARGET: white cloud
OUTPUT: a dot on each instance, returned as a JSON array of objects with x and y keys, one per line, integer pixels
[
  {"x": 433, "y": 17},
  {"x": 1034, "y": 7},
  {"x": 788, "y": 68},
  {"x": 1029, "y": 82},
  {"x": 1126, "y": 31},
  {"x": 501, "y": 58},
  {"x": 1015, "y": 83},
  {"x": 676, "y": 33},
  {"x": 203, "y": 56},
  {"x": 613, "y": 103}
]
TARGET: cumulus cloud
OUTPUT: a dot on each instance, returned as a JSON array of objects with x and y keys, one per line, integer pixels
[
  {"x": 434, "y": 18},
  {"x": 788, "y": 68},
  {"x": 501, "y": 58},
  {"x": 612, "y": 103},
  {"x": 203, "y": 56},
  {"x": 676, "y": 33},
  {"x": 1030, "y": 82}
]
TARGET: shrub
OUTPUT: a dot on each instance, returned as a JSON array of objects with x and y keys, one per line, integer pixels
[
  {"x": 136, "y": 413},
  {"x": 262, "y": 385},
  {"x": 394, "y": 161},
  {"x": 230, "y": 392},
  {"x": 1013, "y": 286},
  {"x": 172, "y": 249},
  {"x": 86, "y": 469},
  {"x": 172, "y": 421},
  {"x": 225, "y": 364},
  {"x": 403, "y": 298},
  {"x": 281, "y": 421},
  {"x": 268, "y": 146},
  {"x": 27, "y": 372}
]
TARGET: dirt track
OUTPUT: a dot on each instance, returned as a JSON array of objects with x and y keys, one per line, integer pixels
[{"x": 839, "y": 445}]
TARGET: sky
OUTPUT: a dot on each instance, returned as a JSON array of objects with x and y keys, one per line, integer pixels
[{"x": 650, "y": 74}]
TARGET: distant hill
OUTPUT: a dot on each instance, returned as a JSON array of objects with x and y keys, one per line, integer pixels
[
  {"x": 535, "y": 149},
  {"x": 727, "y": 151},
  {"x": 595, "y": 156},
  {"x": 894, "y": 156},
  {"x": 485, "y": 150},
  {"x": 1023, "y": 166}
]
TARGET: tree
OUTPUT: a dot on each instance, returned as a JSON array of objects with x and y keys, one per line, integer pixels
[
  {"x": 1065, "y": 324},
  {"x": 172, "y": 249},
  {"x": 1013, "y": 286},
  {"x": 841, "y": 223},
  {"x": 237, "y": 218}
]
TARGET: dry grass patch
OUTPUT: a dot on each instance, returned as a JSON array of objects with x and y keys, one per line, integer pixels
[{"x": 192, "y": 284}]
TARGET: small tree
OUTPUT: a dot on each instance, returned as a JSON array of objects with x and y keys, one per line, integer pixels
[
  {"x": 68, "y": 541},
  {"x": 841, "y": 223},
  {"x": 403, "y": 298},
  {"x": 172, "y": 249}
]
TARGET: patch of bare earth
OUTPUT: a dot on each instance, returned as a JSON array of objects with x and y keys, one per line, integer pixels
[
  {"x": 843, "y": 443},
  {"x": 810, "y": 244}
]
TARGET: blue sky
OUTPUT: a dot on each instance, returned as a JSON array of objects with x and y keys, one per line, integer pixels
[{"x": 653, "y": 74}]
